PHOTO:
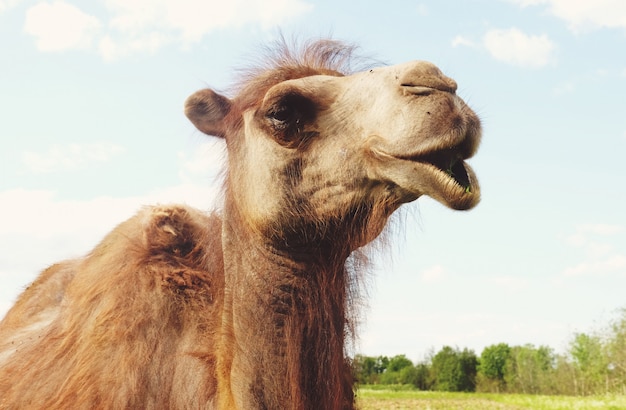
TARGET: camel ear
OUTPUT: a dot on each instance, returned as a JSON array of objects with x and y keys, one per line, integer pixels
[{"x": 207, "y": 109}]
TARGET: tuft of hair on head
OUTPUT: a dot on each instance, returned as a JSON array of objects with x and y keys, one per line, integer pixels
[
  {"x": 285, "y": 59},
  {"x": 321, "y": 54}
]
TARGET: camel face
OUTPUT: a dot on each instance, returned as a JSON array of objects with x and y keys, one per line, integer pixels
[
  {"x": 321, "y": 146},
  {"x": 417, "y": 133}
]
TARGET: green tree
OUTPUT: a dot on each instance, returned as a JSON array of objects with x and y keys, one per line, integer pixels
[
  {"x": 616, "y": 354},
  {"x": 445, "y": 370},
  {"x": 590, "y": 364},
  {"x": 364, "y": 369},
  {"x": 492, "y": 367},
  {"x": 398, "y": 371},
  {"x": 368, "y": 369},
  {"x": 398, "y": 363},
  {"x": 469, "y": 367},
  {"x": 422, "y": 376},
  {"x": 563, "y": 376},
  {"x": 381, "y": 364},
  {"x": 409, "y": 375},
  {"x": 454, "y": 370},
  {"x": 529, "y": 369}
]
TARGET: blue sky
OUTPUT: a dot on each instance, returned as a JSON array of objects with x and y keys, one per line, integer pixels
[{"x": 92, "y": 128}]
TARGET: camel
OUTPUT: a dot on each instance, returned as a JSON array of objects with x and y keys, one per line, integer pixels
[{"x": 251, "y": 306}]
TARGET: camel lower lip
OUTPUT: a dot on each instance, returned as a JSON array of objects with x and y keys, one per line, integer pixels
[{"x": 455, "y": 187}]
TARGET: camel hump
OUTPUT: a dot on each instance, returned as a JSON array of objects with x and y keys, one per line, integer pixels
[
  {"x": 174, "y": 229},
  {"x": 183, "y": 244}
]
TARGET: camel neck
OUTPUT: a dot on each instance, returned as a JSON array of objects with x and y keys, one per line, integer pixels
[{"x": 283, "y": 326}]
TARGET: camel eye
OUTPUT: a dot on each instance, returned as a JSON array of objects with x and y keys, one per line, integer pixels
[
  {"x": 289, "y": 115},
  {"x": 280, "y": 117}
]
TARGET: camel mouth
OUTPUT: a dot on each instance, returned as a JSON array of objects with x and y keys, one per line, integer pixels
[
  {"x": 451, "y": 163},
  {"x": 445, "y": 176}
]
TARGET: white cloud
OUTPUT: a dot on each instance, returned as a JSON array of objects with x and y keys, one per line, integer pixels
[
  {"x": 39, "y": 228},
  {"x": 587, "y": 238},
  {"x": 433, "y": 274},
  {"x": 194, "y": 18},
  {"x": 598, "y": 267},
  {"x": 144, "y": 26},
  {"x": 111, "y": 49},
  {"x": 422, "y": 10},
  {"x": 599, "y": 253},
  {"x": 206, "y": 161},
  {"x": 7, "y": 4},
  {"x": 600, "y": 229},
  {"x": 515, "y": 47},
  {"x": 581, "y": 236},
  {"x": 462, "y": 41},
  {"x": 564, "y": 88},
  {"x": 577, "y": 239},
  {"x": 69, "y": 157},
  {"x": 510, "y": 283},
  {"x": 584, "y": 14},
  {"x": 60, "y": 26},
  {"x": 526, "y": 3},
  {"x": 41, "y": 215}
]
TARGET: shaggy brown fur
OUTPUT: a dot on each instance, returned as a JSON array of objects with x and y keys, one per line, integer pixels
[
  {"x": 251, "y": 308},
  {"x": 132, "y": 325}
]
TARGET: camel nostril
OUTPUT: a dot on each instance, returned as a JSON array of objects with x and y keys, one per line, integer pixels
[
  {"x": 426, "y": 86},
  {"x": 417, "y": 89},
  {"x": 421, "y": 75}
]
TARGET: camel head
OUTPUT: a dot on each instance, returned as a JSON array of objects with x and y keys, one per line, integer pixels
[{"x": 308, "y": 144}]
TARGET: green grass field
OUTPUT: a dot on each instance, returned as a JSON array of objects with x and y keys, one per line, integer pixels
[{"x": 374, "y": 398}]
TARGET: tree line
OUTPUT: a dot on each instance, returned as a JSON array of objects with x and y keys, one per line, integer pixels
[{"x": 594, "y": 363}]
